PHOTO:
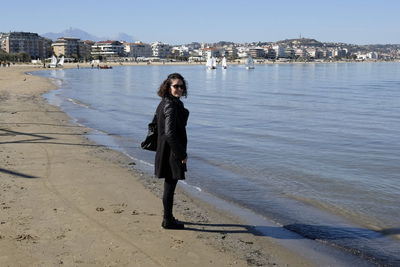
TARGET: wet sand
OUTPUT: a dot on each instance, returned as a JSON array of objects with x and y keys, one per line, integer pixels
[{"x": 67, "y": 201}]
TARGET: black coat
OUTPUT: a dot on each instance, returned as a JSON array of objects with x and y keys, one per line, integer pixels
[{"x": 171, "y": 117}]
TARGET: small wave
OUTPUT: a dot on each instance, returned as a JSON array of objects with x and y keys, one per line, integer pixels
[
  {"x": 192, "y": 186},
  {"x": 79, "y": 103},
  {"x": 138, "y": 160}
]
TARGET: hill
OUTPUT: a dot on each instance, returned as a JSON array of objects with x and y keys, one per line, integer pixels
[{"x": 300, "y": 42}]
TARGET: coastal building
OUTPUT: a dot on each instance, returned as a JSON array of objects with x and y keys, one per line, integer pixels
[
  {"x": 372, "y": 55},
  {"x": 86, "y": 49},
  {"x": 180, "y": 51},
  {"x": 26, "y": 42},
  {"x": 107, "y": 50},
  {"x": 231, "y": 52},
  {"x": 193, "y": 46},
  {"x": 279, "y": 50},
  {"x": 289, "y": 52},
  {"x": 270, "y": 53},
  {"x": 138, "y": 49},
  {"x": 339, "y": 52},
  {"x": 315, "y": 53},
  {"x": 256, "y": 52},
  {"x": 301, "y": 53},
  {"x": 70, "y": 47},
  {"x": 212, "y": 52},
  {"x": 328, "y": 53},
  {"x": 160, "y": 50},
  {"x": 368, "y": 56}
]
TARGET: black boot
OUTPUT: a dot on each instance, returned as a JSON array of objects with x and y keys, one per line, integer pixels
[{"x": 172, "y": 223}]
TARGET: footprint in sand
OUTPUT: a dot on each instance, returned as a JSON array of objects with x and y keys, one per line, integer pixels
[
  {"x": 135, "y": 212},
  {"x": 118, "y": 211},
  {"x": 26, "y": 237},
  {"x": 177, "y": 243}
]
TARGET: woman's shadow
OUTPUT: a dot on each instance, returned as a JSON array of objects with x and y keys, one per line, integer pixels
[{"x": 293, "y": 231}]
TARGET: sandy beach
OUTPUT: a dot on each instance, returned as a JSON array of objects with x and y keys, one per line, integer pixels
[{"x": 67, "y": 201}]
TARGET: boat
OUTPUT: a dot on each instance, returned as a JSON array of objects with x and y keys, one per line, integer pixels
[
  {"x": 211, "y": 63},
  {"x": 105, "y": 67},
  {"x": 53, "y": 63},
  {"x": 214, "y": 63},
  {"x": 223, "y": 63},
  {"x": 249, "y": 63},
  {"x": 61, "y": 62}
]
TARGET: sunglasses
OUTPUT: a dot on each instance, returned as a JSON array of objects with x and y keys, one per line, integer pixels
[{"x": 176, "y": 86}]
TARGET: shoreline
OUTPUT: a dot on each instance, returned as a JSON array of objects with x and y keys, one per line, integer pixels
[
  {"x": 185, "y": 63},
  {"x": 209, "y": 225}
]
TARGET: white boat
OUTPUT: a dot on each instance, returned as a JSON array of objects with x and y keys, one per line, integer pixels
[
  {"x": 61, "y": 62},
  {"x": 249, "y": 63},
  {"x": 53, "y": 63},
  {"x": 211, "y": 63},
  {"x": 223, "y": 63},
  {"x": 214, "y": 63}
]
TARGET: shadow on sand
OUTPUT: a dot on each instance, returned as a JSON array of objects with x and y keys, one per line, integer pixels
[
  {"x": 293, "y": 231},
  {"x": 39, "y": 138},
  {"x": 18, "y": 174}
]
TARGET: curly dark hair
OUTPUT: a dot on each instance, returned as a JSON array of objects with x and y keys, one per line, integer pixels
[{"x": 164, "y": 89}]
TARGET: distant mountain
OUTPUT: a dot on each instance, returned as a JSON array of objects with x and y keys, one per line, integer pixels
[
  {"x": 124, "y": 37},
  {"x": 78, "y": 33},
  {"x": 72, "y": 32}
]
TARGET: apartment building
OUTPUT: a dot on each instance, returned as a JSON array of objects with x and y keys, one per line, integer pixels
[
  {"x": 270, "y": 53},
  {"x": 160, "y": 50},
  {"x": 25, "y": 42},
  {"x": 138, "y": 49},
  {"x": 231, "y": 51},
  {"x": 70, "y": 47},
  {"x": 301, "y": 52},
  {"x": 257, "y": 52},
  {"x": 108, "y": 49},
  {"x": 180, "y": 51},
  {"x": 86, "y": 48},
  {"x": 279, "y": 50},
  {"x": 212, "y": 52}
]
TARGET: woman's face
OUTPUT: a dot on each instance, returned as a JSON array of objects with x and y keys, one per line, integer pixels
[{"x": 176, "y": 88}]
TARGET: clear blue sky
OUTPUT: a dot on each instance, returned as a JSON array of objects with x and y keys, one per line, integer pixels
[{"x": 182, "y": 21}]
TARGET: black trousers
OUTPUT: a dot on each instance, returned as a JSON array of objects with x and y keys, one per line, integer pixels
[{"x": 168, "y": 197}]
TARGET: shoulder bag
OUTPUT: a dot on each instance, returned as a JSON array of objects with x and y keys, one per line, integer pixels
[{"x": 150, "y": 143}]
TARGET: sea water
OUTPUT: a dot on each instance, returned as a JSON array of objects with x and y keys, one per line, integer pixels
[{"x": 313, "y": 147}]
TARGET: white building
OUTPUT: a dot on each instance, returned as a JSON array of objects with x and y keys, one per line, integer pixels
[
  {"x": 182, "y": 51},
  {"x": 338, "y": 52},
  {"x": 242, "y": 52},
  {"x": 279, "y": 50},
  {"x": 160, "y": 50},
  {"x": 108, "y": 49},
  {"x": 212, "y": 52},
  {"x": 372, "y": 55}
]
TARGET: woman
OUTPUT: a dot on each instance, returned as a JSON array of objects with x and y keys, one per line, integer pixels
[{"x": 171, "y": 157}]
